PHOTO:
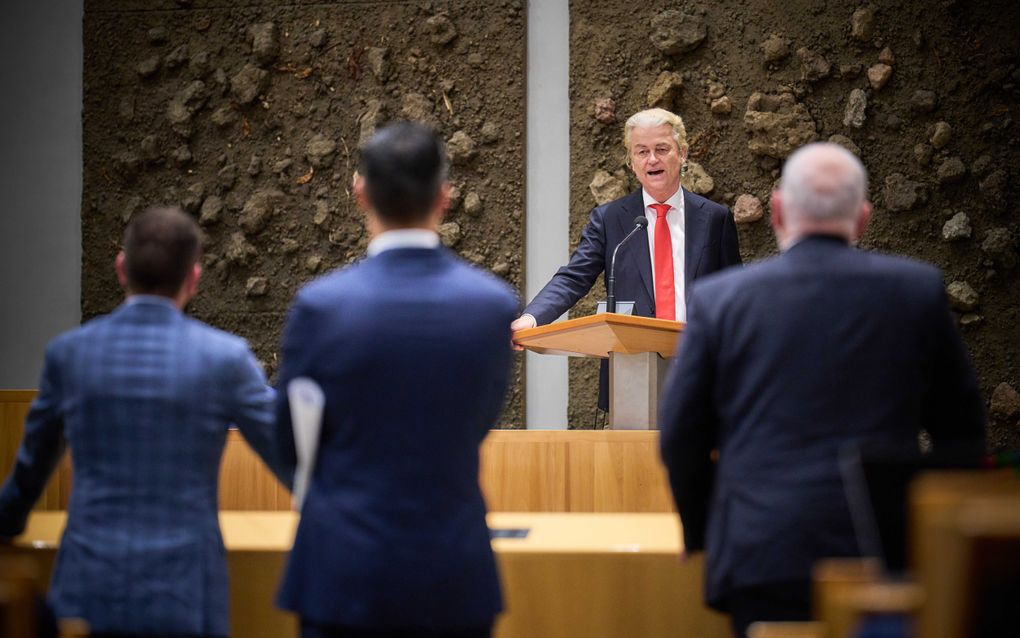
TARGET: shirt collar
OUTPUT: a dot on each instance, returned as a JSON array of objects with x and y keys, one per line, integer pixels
[
  {"x": 820, "y": 237},
  {"x": 676, "y": 200},
  {"x": 158, "y": 300},
  {"x": 403, "y": 238}
]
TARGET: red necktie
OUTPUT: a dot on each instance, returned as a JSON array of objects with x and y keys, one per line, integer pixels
[{"x": 665, "y": 292}]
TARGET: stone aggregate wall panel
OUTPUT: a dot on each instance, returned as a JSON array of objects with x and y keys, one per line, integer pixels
[
  {"x": 926, "y": 93},
  {"x": 249, "y": 115}
]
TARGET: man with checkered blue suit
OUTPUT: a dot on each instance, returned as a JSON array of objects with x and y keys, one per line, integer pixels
[{"x": 143, "y": 397}]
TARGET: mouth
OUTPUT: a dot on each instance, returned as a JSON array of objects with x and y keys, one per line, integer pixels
[{"x": 656, "y": 172}]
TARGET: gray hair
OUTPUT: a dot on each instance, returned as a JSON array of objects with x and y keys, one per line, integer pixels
[
  {"x": 823, "y": 182},
  {"x": 656, "y": 117}
]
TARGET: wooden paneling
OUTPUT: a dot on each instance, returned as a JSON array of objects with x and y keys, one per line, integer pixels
[
  {"x": 14, "y": 407},
  {"x": 573, "y": 576},
  {"x": 617, "y": 471},
  {"x": 521, "y": 470},
  {"x": 245, "y": 481},
  {"x": 524, "y": 473},
  {"x": 574, "y": 471}
]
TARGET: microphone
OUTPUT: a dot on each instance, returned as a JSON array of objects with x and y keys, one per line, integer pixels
[{"x": 640, "y": 222}]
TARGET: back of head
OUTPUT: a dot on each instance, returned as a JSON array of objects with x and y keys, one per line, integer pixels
[
  {"x": 161, "y": 245},
  {"x": 823, "y": 182},
  {"x": 650, "y": 118},
  {"x": 404, "y": 167}
]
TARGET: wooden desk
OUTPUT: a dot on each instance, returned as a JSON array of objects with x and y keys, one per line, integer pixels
[
  {"x": 521, "y": 470},
  {"x": 574, "y": 576},
  {"x": 600, "y": 576}
]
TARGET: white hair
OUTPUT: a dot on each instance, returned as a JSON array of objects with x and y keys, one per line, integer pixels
[
  {"x": 823, "y": 182},
  {"x": 650, "y": 118}
]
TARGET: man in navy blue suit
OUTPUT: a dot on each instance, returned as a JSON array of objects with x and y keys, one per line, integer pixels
[
  {"x": 144, "y": 397},
  {"x": 411, "y": 347},
  {"x": 785, "y": 361},
  {"x": 687, "y": 236}
]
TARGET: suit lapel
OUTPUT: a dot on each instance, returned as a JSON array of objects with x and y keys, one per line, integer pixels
[
  {"x": 695, "y": 237},
  {"x": 638, "y": 253}
]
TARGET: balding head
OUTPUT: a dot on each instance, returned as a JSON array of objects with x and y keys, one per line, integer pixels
[{"x": 823, "y": 190}]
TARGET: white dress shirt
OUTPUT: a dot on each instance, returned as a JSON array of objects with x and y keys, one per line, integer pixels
[
  {"x": 675, "y": 221},
  {"x": 403, "y": 238}
]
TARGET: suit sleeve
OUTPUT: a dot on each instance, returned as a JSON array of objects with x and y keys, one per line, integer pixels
[
  {"x": 574, "y": 280},
  {"x": 729, "y": 246},
  {"x": 954, "y": 410},
  {"x": 40, "y": 451},
  {"x": 294, "y": 351},
  {"x": 689, "y": 423},
  {"x": 252, "y": 411},
  {"x": 501, "y": 361}
]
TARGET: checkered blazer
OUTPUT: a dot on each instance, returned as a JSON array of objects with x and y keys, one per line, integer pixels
[{"x": 144, "y": 398}]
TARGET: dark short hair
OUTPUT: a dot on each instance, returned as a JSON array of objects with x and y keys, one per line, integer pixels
[
  {"x": 404, "y": 166},
  {"x": 161, "y": 245}
]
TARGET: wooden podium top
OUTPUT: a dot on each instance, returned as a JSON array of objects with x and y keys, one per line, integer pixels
[{"x": 598, "y": 335}]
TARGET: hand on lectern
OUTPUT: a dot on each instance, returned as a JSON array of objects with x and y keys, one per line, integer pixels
[{"x": 521, "y": 323}]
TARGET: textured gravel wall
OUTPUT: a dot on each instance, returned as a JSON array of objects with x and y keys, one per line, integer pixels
[
  {"x": 249, "y": 115},
  {"x": 924, "y": 92}
]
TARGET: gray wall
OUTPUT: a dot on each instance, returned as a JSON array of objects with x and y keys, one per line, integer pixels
[{"x": 40, "y": 181}]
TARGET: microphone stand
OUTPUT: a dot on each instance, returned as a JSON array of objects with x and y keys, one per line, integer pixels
[{"x": 640, "y": 222}]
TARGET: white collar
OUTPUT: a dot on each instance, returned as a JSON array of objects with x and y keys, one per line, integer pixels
[
  {"x": 403, "y": 238},
  {"x": 676, "y": 200}
]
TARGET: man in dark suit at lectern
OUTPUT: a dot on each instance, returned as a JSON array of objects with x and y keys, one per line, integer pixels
[
  {"x": 686, "y": 237},
  {"x": 785, "y": 361},
  {"x": 411, "y": 347}
]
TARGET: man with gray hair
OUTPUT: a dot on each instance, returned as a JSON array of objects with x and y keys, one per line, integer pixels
[
  {"x": 783, "y": 363},
  {"x": 687, "y": 236}
]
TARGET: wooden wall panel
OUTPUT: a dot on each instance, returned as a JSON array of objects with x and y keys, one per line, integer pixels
[
  {"x": 245, "y": 481},
  {"x": 521, "y": 470},
  {"x": 14, "y": 407},
  {"x": 524, "y": 473},
  {"x": 593, "y": 470}
]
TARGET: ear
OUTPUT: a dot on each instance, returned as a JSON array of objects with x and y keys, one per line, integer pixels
[
  {"x": 863, "y": 219},
  {"x": 195, "y": 277},
  {"x": 776, "y": 212},
  {"x": 189, "y": 287},
  {"x": 360, "y": 195},
  {"x": 442, "y": 203},
  {"x": 121, "y": 269}
]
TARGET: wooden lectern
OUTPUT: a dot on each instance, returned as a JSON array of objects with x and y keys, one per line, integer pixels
[{"x": 638, "y": 349}]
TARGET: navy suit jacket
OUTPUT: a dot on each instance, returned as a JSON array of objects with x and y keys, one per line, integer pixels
[
  {"x": 781, "y": 364},
  {"x": 144, "y": 398},
  {"x": 710, "y": 244},
  {"x": 412, "y": 350}
]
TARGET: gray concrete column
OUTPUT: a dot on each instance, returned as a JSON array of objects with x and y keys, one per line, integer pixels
[
  {"x": 548, "y": 192},
  {"x": 41, "y": 181}
]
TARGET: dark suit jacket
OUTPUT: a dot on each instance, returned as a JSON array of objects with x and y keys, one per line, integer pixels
[
  {"x": 412, "y": 350},
  {"x": 782, "y": 363},
  {"x": 710, "y": 245},
  {"x": 144, "y": 398}
]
